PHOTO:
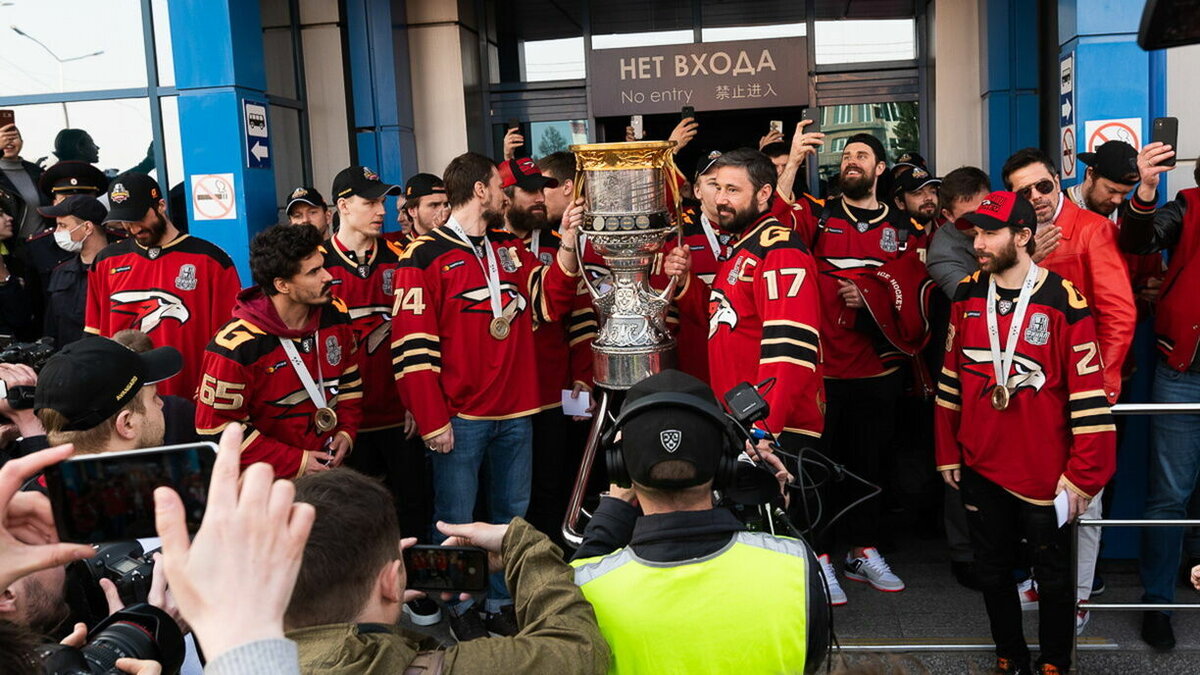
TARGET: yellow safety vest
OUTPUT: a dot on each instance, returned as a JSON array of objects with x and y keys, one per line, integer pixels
[{"x": 743, "y": 609}]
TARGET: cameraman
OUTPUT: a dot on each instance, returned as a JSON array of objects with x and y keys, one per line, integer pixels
[
  {"x": 653, "y": 596},
  {"x": 20, "y": 431},
  {"x": 351, "y": 589}
]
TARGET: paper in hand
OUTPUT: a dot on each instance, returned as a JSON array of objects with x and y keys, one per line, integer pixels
[
  {"x": 1062, "y": 508},
  {"x": 576, "y": 406}
]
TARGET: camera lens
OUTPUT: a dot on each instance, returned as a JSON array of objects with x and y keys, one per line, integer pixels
[{"x": 120, "y": 640}]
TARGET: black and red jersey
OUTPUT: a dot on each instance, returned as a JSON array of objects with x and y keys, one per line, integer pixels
[
  {"x": 445, "y": 361},
  {"x": 764, "y": 314},
  {"x": 849, "y": 239},
  {"x": 562, "y": 348},
  {"x": 249, "y": 379},
  {"x": 178, "y": 294},
  {"x": 367, "y": 287},
  {"x": 1057, "y": 423}
]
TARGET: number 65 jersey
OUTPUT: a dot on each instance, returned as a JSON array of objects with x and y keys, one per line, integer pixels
[
  {"x": 764, "y": 311},
  {"x": 1057, "y": 423}
]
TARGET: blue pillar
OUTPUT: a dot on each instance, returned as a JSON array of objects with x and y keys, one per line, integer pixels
[
  {"x": 218, "y": 50},
  {"x": 1009, "y": 61},
  {"x": 380, "y": 87},
  {"x": 1115, "y": 79}
]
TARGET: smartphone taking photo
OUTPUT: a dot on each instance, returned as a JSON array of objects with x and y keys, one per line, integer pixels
[
  {"x": 1166, "y": 130},
  {"x": 110, "y": 496},
  {"x": 446, "y": 568}
]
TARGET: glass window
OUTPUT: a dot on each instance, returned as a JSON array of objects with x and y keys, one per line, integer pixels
[
  {"x": 286, "y": 148},
  {"x": 551, "y": 137},
  {"x": 278, "y": 48},
  {"x": 120, "y": 129},
  {"x": 561, "y": 59},
  {"x": 731, "y": 33},
  {"x": 71, "y": 45},
  {"x": 637, "y": 23},
  {"x": 173, "y": 146},
  {"x": 724, "y": 21},
  {"x": 162, "y": 44},
  {"x": 862, "y": 41},
  {"x": 900, "y": 134}
]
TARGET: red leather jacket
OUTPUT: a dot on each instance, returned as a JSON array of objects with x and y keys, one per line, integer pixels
[{"x": 1088, "y": 257}]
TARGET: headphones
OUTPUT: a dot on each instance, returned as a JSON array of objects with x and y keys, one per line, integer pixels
[{"x": 731, "y": 445}]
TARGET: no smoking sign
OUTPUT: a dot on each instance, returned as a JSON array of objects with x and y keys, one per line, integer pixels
[
  {"x": 1098, "y": 132},
  {"x": 213, "y": 197}
]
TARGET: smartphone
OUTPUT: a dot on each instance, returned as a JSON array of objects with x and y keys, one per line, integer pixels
[
  {"x": 7, "y": 117},
  {"x": 513, "y": 123},
  {"x": 639, "y": 131},
  {"x": 810, "y": 114},
  {"x": 777, "y": 126},
  {"x": 1166, "y": 130},
  {"x": 446, "y": 568},
  {"x": 110, "y": 496},
  {"x": 688, "y": 111}
]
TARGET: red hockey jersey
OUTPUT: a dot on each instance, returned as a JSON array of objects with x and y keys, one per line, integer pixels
[
  {"x": 249, "y": 379},
  {"x": 367, "y": 289},
  {"x": 562, "y": 348},
  {"x": 1058, "y": 421},
  {"x": 847, "y": 240},
  {"x": 445, "y": 361},
  {"x": 764, "y": 313},
  {"x": 178, "y": 294}
]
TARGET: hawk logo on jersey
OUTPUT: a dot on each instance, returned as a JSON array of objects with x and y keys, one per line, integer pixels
[
  {"x": 382, "y": 332},
  {"x": 186, "y": 281},
  {"x": 670, "y": 439},
  {"x": 149, "y": 308},
  {"x": 720, "y": 311},
  {"x": 512, "y": 302},
  {"x": 853, "y": 263},
  {"x": 1027, "y": 373}
]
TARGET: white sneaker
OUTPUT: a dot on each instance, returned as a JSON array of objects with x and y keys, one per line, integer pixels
[
  {"x": 423, "y": 612},
  {"x": 1082, "y": 616},
  {"x": 1028, "y": 592},
  {"x": 836, "y": 595},
  {"x": 874, "y": 570}
]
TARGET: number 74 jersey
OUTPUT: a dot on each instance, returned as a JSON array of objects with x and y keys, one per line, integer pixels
[{"x": 764, "y": 311}]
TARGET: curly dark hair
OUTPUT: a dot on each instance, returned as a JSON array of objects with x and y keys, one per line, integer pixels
[{"x": 276, "y": 252}]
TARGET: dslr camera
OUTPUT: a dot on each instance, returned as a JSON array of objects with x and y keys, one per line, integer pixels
[
  {"x": 32, "y": 354},
  {"x": 139, "y": 631},
  {"x": 126, "y": 565}
]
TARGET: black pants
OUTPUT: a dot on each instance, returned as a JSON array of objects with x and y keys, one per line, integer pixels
[
  {"x": 404, "y": 468},
  {"x": 998, "y": 521},
  {"x": 860, "y": 419},
  {"x": 557, "y": 451}
]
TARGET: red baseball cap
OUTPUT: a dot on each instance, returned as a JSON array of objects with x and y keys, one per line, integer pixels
[
  {"x": 1000, "y": 209},
  {"x": 523, "y": 173}
]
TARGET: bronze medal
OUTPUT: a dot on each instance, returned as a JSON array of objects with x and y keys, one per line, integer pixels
[
  {"x": 1000, "y": 397},
  {"x": 325, "y": 419},
  {"x": 500, "y": 327}
]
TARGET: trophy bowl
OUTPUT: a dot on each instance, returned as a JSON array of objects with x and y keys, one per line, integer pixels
[{"x": 627, "y": 219}]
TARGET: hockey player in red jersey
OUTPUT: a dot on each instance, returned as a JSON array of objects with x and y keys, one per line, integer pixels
[
  {"x": 173, "y": 287},
  {"x": 467, "y": 297},
  {"x": 1022, "y": 424},
  {"x": 287, "y": 364}
]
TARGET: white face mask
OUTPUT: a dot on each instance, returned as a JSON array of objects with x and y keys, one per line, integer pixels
[{"x": 64, "y": 241}]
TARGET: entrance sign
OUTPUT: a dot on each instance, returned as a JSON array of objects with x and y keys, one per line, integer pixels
[{"x": 707, "y": 76}]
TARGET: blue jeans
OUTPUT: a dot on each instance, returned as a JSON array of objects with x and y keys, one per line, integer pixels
[
  {"x": 503, "y": 450},
  {"x": 1174, "y": 467}
]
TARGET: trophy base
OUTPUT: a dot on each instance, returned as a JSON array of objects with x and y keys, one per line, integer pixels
[{"x": 620, "y": 369}]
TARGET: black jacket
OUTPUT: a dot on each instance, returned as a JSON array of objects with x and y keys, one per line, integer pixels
[
  {"x": 66, "y": 302},
  {"x": 35, "y": 173},
  {"x": 1153, "y": 231},
  {"x": 663, "y": 537}
]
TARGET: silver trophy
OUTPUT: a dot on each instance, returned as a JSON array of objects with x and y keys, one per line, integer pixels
[{"x": 627, "y": 221}]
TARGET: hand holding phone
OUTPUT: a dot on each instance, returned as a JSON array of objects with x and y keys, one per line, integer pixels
[
  {"x": 1165, "y": 130},
  {"x": 7, "y": 117},
  {"x": 688, "y": 111},
  {"x": 459, "y": 569}
]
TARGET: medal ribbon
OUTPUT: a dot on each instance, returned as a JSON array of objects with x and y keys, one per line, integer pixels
[
  {"x": 1002, "y": 364},
  {"x": 712, "y": 237},
  {"x": 315, "y": 393},
  {"x": 491, "y": 271},
  {"x": 535, "y": 242}
]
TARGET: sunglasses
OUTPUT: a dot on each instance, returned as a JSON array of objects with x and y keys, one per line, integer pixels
[{"x": 1044, "y": 187}]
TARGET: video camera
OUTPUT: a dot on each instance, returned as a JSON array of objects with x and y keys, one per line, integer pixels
[
  {"x": 139, "y": 631},
  {"x": 32, "y": 354}
]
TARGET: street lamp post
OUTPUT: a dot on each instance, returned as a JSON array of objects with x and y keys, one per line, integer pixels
[{"x": 62, "y": 86}]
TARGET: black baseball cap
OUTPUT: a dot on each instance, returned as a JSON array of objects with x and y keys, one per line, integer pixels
[
  {"x": 91, "y": 379},
  {"x": 305, "y": 195},
  {"x": 705, "y": 163},
  {"x": 673, "y": 431},
  {"x": 912, "y": 177},
  {"x": 423, "y": 184},
  {"x": 1114, "y": 160},
  {"x": 83, "y": 207},
  {"x": 71, "y": 177},
  {"x": 911, "y": 159},
  {"x": 525, "y": 174},
  {"x": 998, "y": 210},
  {"x": 361, "y": 181},
  {"x": 130, "y": 196}
]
